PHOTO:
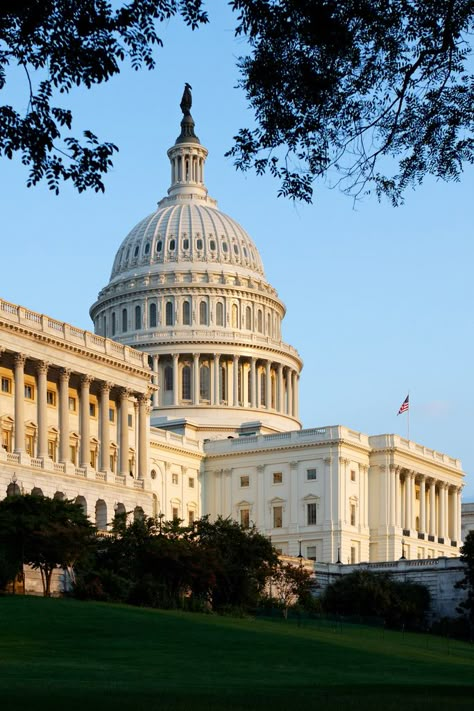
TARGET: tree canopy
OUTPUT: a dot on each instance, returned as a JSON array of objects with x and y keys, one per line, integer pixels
[{"x": 367, "y": 95}]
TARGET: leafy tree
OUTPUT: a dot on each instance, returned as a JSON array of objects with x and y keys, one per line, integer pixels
[
  {"x": 44, "y": 533},
  {"x": 373, "y": 94},
  {"x": 368, "y": 594},
  {"x": 60, "y": 44},
  {"x": 368, "y": 94},
  {"x": 467, "y": 557},
  {"x": 291, "y": 584}
]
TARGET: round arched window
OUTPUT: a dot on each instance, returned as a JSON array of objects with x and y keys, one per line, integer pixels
[
  {"x": 199, "y": 244},
  {"x": 224, "y": 247},
  {"x": 159, "y": 246},
  {"x": 236, "y": 249},
  {"x": 147, "y": 248},
  {"x": 185, "y": 243},
  {"x": 137, "y": 249},
  {"x": 212, "y": 245},
  {"x": 172, "y": 245}
]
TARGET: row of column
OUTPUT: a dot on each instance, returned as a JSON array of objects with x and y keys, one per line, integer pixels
[
  {"x": 286, "y": 393},
  {"x": 84, "y": 418},
  {"x": 439, "y": 509}
]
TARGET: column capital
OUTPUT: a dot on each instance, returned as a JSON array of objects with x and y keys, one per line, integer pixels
[
  {"x": 42, "y": 366},
  {"x": 175, "y": 357},
  {"x": 293, "y": 465},
  {"x": 19, "y": 359},
  {"x": 86, "y": 379},
  {"x": 105, "y": 387},
  {"x": 142, "y": 397},
  {"x": 196, "y": 356},
  {"x": 65, "y": 374},
  {"x": 344, "y": 460},
  {"x": 261, "y": 468},
  {"x": 124, "y": 393},
  {"x": 327, "y": 460}
]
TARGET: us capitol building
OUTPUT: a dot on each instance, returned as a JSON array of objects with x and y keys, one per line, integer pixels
[{"x": 184, "y": 402}]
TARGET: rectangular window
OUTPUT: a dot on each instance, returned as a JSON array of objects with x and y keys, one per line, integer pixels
[
  {"x": 130, "y": 420},
  {"x": 112, "y": 463},
  {"x": 311, "y": 552},
  {"x": 72, "y": 453},
  {"x": 52, "y": 449},
  {"x": 174, "y": 478},
  {"x": 29, "y": 392},
  {"x": 277, "y": 478},
  {"x": 311, "y": 514},
  {"x": 191, "y": 482},
  {"x": 175, "y": 513},
  {"x": 190, "y": 518},
  {"x": 353, "y": 515},
  {"x": 72, "y": 404},
  {"x": 92, "y": 409},
  {"x": 30, "y": 445},
  {"x": 245, "y": 518},
  {"x": 6, "y": 385},
  {"x": 353, "y": 555},
  {"x": 244, "y": 480},
  {"x": 277, "y": 516},
  {"x": 311, "y": 474},
  {"x": 111, "y": 414},
  {"x": 93, "y": 458},
  {"x": 130, "y": 467},
  {"x": 7, "y": 440},
  {"x": 51, "y": 397},
  {"x": 353, "y": 475}
]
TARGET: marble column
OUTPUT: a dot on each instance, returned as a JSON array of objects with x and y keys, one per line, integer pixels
[
  {"x": 195, "y": 378},
  {"x": 42, "y": 387},
  {"x": 253, "y": 382},
  {"x": 217, "y": 372},
  {"x": 156, "y": 380},
  {"x": 64, "y": 415},
  {"x": 84, "y": 421},
  {"x": 175, "y": 378},
  {"x": 280, "y": 390},
  {"x": 392, "y": 491},
  {"x": 442, "y": 511},
  {"x": 19, "y": 403},
  {"x": 289, "y": 392},
  {"x": 423, "y": 505},
  {"x": 143, "y": 429},
  {"x": 406, "y": 522},
  {"x": 268, "y": 386},
  {"x": 124, "y": 447},
  {"x": 296, "y": 403},
  {"x": 235, "y": 372},
  {"x": 432, "y": 501},
  {"x": 458, "y": 515},
  {"x": 104, "y": 427}
]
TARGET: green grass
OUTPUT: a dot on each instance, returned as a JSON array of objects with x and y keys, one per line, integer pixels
[{"x": 63, "y": 654}]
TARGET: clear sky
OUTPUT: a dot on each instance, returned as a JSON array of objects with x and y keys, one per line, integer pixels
[{"x": 379, "y": 300}]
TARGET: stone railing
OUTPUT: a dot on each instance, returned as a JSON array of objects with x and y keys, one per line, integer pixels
[
  {"x": 395, "y": 441},
  {"x": 282, "y": 439},
  {"x": 71, "y": 334}
]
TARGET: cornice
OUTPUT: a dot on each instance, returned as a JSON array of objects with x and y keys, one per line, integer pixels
[
  {"x": 419, "y": 458},
  {"x": 290, "y": 447}
]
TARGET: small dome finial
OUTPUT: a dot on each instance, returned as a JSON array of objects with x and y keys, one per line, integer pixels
[{"x": 187, "y": 134}]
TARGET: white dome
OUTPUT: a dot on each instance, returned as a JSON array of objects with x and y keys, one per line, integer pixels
[{"x": 191, "y": 233}]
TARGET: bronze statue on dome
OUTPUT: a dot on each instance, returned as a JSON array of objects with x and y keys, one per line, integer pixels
[{"x": 187, "y": 100}]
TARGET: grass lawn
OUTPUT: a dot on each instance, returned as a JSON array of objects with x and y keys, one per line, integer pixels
[{"x": 64, "y": 654}]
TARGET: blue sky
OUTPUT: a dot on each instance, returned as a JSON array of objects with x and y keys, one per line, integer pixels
[{"x": 379, "y": 300}]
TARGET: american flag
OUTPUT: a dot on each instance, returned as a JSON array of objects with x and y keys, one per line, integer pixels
[{"x": 404, "y": 406}]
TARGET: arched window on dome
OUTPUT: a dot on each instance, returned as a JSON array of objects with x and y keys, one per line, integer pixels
[
  {"x": 168, "y": 377},
  {"x": 219, "y": 313},
  {"x": 186, "y": 243},
  {"x": 212, "y": 245},
  {"x": 203, "y": 313},
  {"x": 263, "y": 388},
  {"x": 186, "y": 313},
  {"x": 169, "y": 313},
  {"x": 137, "y": 249},
  {"x": 204, "y": 382},
  {"x": 104, "y": 326},
  {"x": 199, "y": 244},
  {"x": 138, "y": 317},
  {"x": 225, "y": 247},
  {"x": 114, "y": 324},
  {"x": 260, "y": 321},
  {"x": 172, "y": 245},
  {"x": 186, "y": 383},
  {"x": 127, "y": 255},
  {"x": 269, "y": 326},
  {"x": 147, "y": 248},
  {"x": 153, "y": 319},
  {"x": 124, "y": 321},
  {"x": 248, "y": 318},
  {"x": 159, "y": 246},
  {"x": 235, "y": 316}
]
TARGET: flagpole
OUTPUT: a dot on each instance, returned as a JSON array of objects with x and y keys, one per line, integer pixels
[{"x": 408, "y": 419}]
